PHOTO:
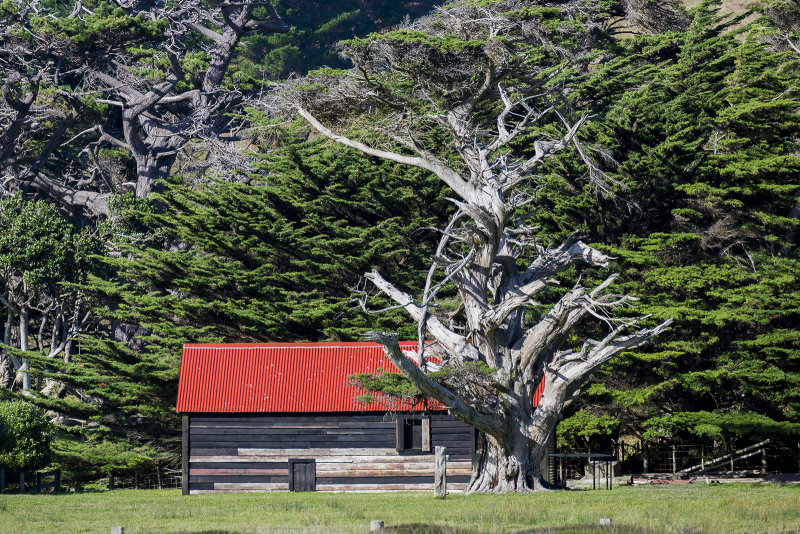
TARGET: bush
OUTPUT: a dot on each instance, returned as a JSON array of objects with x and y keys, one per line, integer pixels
[{"x": 25, "y": 437}]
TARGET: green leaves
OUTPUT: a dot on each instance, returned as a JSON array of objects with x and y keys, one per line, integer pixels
[
  {"x": 703, "y": 126},
  {"x": 25, "y": 437},
  {"x": 315, "y": 30},
  {"x": 274, "y": 260},
  {"x": 41, "y": 247},
  {"x": 718, "y": 425},
  {"x": 583, "y": 425}
]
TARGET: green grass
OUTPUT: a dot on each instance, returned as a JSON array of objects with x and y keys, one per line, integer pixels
[{"x": 684, "y": 508}]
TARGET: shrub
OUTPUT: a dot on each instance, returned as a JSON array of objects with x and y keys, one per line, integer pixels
[{"x": 25, "y": 437}]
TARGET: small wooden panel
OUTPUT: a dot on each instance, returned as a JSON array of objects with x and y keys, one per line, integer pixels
[
  {"x": 314, "y": 452},
  {"x": 429, "y": 480},
  {"x": 254, "y": 486},
  {"x": 305, "y": 431},
  {"x": 223, "y": 472},
  {"x": 384, "y": 487},
  {"x": 400, "y": 435},
  {"x": 216, "y": 479},
  {"x": 193, "y": 464},
  {"x": 331, "y": 455}
]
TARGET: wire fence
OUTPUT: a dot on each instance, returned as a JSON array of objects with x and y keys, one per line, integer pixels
[
  {"x": 159, "y": 479},
  {"x": 685, "y": 459},
  {"x": 22, "y": 481},
  {"x": 766, "y": 457}
]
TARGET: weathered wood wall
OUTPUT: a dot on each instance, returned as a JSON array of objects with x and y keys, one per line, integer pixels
[{"x": 353, "y": 452}]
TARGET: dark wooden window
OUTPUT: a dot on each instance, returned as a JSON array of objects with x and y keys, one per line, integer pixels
[
  {"x": 302, "y": 474},
  {"x": 413, "y": 434}
]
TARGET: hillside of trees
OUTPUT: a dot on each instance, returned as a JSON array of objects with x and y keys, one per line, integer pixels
[{"x": 157, "y": 187}]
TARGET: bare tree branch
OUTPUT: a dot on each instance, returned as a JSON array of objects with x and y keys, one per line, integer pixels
[{"x": 485, "y": 422}]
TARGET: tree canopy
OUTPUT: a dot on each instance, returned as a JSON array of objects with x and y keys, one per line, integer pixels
[{"x": 672, "y": 139}]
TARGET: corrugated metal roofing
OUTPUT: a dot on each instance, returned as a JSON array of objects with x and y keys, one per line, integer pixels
[{"x": 282, "y": 378}]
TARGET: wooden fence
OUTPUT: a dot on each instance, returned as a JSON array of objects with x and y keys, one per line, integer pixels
[{"x": 29, "y": 481}]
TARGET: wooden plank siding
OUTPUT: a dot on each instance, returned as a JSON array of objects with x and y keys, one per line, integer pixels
[{"x": 352, "y": 452}]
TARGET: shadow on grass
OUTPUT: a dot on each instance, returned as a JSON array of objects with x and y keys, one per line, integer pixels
[
  {"x": 595, "y": 529},
  {"x": 419, "y": 528}
]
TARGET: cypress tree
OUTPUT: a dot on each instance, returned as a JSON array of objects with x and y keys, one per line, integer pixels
[{"x": 702, "y": 128}]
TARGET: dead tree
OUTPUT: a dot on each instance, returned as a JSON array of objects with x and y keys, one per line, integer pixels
[
  {"x": 53, "y": 86},
  {"x": 481, "y": 78}
]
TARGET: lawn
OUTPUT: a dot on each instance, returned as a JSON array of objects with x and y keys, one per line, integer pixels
[{"x": 684, "y": 508}]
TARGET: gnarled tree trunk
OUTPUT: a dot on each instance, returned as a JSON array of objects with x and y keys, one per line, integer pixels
[{"x": 495, "y": 355}]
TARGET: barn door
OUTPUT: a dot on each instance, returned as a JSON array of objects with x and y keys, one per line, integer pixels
[{"x": 302, "y": 475}]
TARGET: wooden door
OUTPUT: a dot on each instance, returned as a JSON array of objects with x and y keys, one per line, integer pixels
[{"x": 302, "y": 475}]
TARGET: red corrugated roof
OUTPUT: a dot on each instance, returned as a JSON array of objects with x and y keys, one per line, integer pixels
[{"x": 282, "y": 378}]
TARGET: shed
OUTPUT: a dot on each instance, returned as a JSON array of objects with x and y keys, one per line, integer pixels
[{"x": 277, "y": 417}]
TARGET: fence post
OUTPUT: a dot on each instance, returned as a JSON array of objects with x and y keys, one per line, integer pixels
[
  {"x": 158, "y": 475},
  {"x": 2, "y": 479},
  {"x": 440, "y": 473},
  {"x": 703, "y": 457},
  {"x": 22, "y": 481},
  {"x": 645, "y": 466},
  {"x": 730, "y": 447},
  {"x": 38, "y": 482},
  {"x": 674, "y": 466},
  {"x": 57, "y": 480}
]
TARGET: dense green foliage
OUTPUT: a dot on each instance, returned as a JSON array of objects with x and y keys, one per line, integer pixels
[
  {"x": 316, "y": 28},
  {"x": 40, "y": 250},
  {"x": 275, "y": 259},
  {"x": 117, "y": 386},
  {"x": 704, "y": 127},
  {"x": 25, "y": 437},
  {"x": 699, "y": 127},
  {"x": 272, "y": 260}
]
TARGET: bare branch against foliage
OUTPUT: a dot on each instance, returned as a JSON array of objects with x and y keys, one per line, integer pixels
[
  {"x": 60, "y": 80},
  {"x": 784, "y": 17},
  {"x": 474, "y": 94},
  {"x": 646, "y": 16}
]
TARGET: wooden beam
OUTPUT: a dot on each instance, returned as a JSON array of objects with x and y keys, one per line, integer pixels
[
  {"x": 185, "y": 454},
  {"x": 400, "y": 434}
]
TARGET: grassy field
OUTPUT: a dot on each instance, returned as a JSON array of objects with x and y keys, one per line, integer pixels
[{"x": 684, "y": 508}]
